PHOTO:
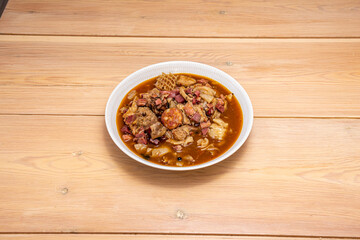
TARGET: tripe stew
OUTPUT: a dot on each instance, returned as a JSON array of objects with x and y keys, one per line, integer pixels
[{"x": 179, "y": 119}]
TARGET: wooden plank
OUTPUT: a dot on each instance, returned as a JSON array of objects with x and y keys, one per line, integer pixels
[
  {"x": 199, "y": 18},
  {"x": 75, "y": 75},
  {"x": 3, "y": 4},
  {"x": 147, "y": 237},
  {"x": 292, "y": 177}
]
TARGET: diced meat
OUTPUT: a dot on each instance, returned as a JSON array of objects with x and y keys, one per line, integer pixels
[
  {"x": 196, "y": 117},
  {"x": 189, "y": 110},
  {"x": 145, "y": 117},
  {"x": 141, "y": 140},
  {"x": 188, "y": 91},
  {"x": 197, "y": 93},
  {"x": 172, "y": 118},
  {"x": 130, "y": 119},
  {"x": 196, "y": 100},
  {"x": 220, "y": 107},
  {"x": 157, "y": 130},
  {"x": 139, "y": 130},
  {"x": 205, "y": 124},
  {"x": 210, "y": 111},
  {"x": 181, "y": 133},
  {"x": 185, "y": 81},
  {"x": 165, "y": 93},
  {"x": 163, "y": 138},
  {"x": 141, "y": 102},
  {"x": 202, "y": 113},
  {"x": 176, "y": 90},
  {"x": 158, "y": 101},
  {"x": 172, "y": 94},
  {"x": 221, "y": 100},
  {"x": 179, "y": 99},
  {"x": 202, "y": 81},
  {"x": 204, "y": 131},
  {"x": 140, "y": 134},
  {"x": 127, "y": 137},
  {"x": 125, "y": 129},
  {"x": 154, "y": 141}
]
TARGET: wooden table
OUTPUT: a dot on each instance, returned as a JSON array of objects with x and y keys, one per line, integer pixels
[{"x": 297, "y": 177}]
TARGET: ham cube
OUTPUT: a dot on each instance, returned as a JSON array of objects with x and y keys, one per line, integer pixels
[
  {"x": 196, "y": 117},
  {"x": 189, "y": 110},
  {"x": 220, "y": 107},
  {"x": 141, "y": 102},
  {"x": 158, "y": 101},
  {"x": 127, "y": 137},
  {"x": 205, "y": 124},
  {"x": 179, "y": 99},
  {"x": 130, "y": 119},
  {"x": 204, "y": 131},
  {"x": 125, "y": 129}
]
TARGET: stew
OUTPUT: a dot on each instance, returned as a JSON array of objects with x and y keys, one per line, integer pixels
[{"x": 179, "y": 119}]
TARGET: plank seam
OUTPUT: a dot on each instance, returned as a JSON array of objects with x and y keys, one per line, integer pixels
[
  {"x": 171, "y": 37},
  {"x": 178, "y": 234}
]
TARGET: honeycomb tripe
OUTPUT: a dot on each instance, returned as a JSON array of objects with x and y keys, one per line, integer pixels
[{"x": 166, "y": 81}]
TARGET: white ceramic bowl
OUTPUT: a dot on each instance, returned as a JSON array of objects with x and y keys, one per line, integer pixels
[{"x": 178, "y": 67}]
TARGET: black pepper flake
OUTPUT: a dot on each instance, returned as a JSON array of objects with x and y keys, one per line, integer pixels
[{"x": 179, "y": 159}]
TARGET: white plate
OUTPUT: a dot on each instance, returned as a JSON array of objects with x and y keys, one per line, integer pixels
[{"x": 178, "y": 67}]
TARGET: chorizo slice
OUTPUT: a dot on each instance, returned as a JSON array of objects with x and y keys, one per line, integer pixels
[{"x": 172, "y": 118}]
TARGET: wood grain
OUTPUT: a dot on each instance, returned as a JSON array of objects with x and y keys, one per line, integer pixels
[
  {"x": 292, "y": 177},
  {"x": 75, "y": 75},
  {"x": 146, "y": 237},
  {"x": 196, "y": 18}
]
